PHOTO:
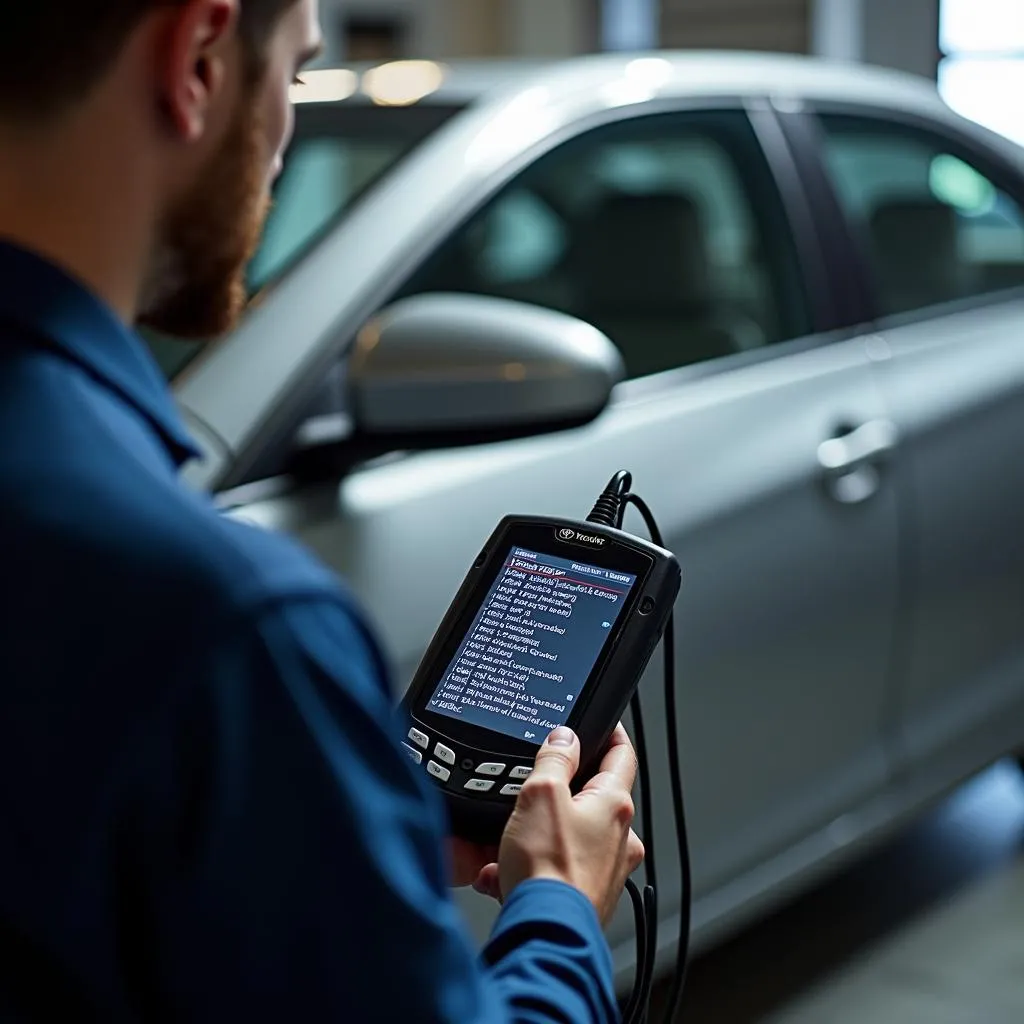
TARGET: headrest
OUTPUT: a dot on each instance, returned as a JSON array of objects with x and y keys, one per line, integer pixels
[
  {"x": 915, "y": 251},
  {"x": 644, "y": 250}
]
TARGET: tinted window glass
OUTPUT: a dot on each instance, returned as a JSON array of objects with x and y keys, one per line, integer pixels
[
  {"x": 934, "y": 228},
  {"x": 337, "y": 155},
  {"x": 665, "y": 231}
]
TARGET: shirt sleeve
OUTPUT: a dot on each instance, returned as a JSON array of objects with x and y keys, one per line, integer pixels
[{"x": 283, "y": 860}]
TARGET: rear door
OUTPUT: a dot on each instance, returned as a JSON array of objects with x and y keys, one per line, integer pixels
[
  {"x": 940, "y": 222},
  {"x": 669, "y": 232}
]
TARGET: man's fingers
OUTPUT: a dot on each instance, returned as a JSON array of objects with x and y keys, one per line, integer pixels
[
  {"x": 487, "y": 883},
  {"x": 557, "y": 761},
  {"x": 634, "y": 851},
  {"x": 618, "y": 766}
]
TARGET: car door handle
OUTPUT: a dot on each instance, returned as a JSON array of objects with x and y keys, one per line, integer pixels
[
  {"x": 848, "y": 461},
  {"x": 866, "y": 444}
]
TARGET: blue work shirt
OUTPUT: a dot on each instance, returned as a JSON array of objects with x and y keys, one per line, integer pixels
[{"x": 204, "y": 811}]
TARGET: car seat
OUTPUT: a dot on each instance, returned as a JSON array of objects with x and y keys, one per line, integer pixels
[
  {"x": 642, "y": 274},
  {"x": 915, "y": 254}
]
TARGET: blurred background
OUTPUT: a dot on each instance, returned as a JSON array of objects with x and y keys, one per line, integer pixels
[{"x": 974, "y": 48}]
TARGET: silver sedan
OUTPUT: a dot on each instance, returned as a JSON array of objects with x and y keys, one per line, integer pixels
[{"x": 812, "y": 279}]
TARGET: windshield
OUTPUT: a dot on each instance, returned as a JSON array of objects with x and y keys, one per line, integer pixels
[{"x": 337, "y": 156}]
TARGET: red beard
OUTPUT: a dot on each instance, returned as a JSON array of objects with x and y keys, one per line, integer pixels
[{"x": 197, "y": 281}]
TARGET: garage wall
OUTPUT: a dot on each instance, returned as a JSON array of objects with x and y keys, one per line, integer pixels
[
  {"x": 468, "y": 28},
  {"x": 772, "y": 25},
  {"x": 895, "y": 33},
  {"x": 903, "y": 35},
  {"x": 451, "y": 29}
]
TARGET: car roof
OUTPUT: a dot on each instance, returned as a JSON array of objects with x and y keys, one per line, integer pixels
[{"x": 674, "y": 73}]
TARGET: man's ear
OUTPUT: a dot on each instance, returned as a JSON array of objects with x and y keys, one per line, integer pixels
[{"x": 197, "y": 48}]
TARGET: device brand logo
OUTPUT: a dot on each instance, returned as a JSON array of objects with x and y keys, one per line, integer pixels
[{"x": 569, "y": 534}]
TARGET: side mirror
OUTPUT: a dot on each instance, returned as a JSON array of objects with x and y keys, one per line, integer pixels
[{"x": 443, "y": 370}]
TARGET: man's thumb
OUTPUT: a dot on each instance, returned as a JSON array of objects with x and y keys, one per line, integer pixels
[{"x": 559, "y": 757}]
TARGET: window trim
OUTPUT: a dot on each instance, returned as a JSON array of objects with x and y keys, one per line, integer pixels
[
  {"x": 810, "y": 248},
  {"x": 843, "y": 262},
  {"x": 807, "y": 133},
  {"x": 684, "y": 376}
]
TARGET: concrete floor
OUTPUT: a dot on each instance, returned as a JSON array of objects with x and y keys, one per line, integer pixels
[{"x": 928, "y": 929}]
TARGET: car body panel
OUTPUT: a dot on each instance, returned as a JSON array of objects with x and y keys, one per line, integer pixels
[{"x": 955, "y": 386}]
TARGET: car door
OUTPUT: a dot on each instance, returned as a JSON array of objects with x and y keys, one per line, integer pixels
[
  {"x": 668, "y": 231},
  {"x": 940, "y": 220}
]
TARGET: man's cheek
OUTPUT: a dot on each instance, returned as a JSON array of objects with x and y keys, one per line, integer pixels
[
  {"x": 283, "y": 138},
  {"x": 289, "y": 128},
  {"x": 276, "y": 166}
]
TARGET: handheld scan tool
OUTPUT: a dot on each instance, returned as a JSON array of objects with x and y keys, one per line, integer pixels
[{"x": 553, "y": 625}]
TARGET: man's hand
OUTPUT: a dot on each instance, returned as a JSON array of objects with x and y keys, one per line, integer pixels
[
  {"x": 469, "y": 861},
  {"x": 584, "y": 840}
]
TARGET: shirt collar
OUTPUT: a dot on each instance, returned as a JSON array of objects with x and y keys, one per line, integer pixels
[{"x": 57, "y": 311}]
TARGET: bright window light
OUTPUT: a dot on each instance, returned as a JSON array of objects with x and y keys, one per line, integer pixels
[
  {"x": 982, "y": 75},
  {"x": 326, "y": 86},
  {"x": 990, "y": 92},
  {"x": 402, "y": 83},
  {"x": 982, "y": 26}
]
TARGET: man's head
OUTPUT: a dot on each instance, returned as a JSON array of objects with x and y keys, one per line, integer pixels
[{"x": 192, "y": 96}]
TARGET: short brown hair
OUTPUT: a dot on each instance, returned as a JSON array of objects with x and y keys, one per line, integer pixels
[{"x": 52, "y": 51}]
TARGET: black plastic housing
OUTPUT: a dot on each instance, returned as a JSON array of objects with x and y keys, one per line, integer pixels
[{"x": 481, "y": 817}]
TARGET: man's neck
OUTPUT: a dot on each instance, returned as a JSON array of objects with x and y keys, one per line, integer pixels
[{"x": 64, "y": 196}]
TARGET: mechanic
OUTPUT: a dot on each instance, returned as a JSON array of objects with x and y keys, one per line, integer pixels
[{"x": 204, "y": 811}]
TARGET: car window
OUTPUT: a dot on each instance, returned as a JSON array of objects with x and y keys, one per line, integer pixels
[
  {"x": 666, "y": 232},
  {"x": 337, "y": 155},
  {"x": 933, "y": 227}
]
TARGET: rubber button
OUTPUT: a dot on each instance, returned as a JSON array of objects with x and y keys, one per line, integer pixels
[{"x": 647, "y": 606}]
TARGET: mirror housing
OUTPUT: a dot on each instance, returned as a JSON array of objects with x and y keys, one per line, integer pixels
[{"x": 441, "y": 370}]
